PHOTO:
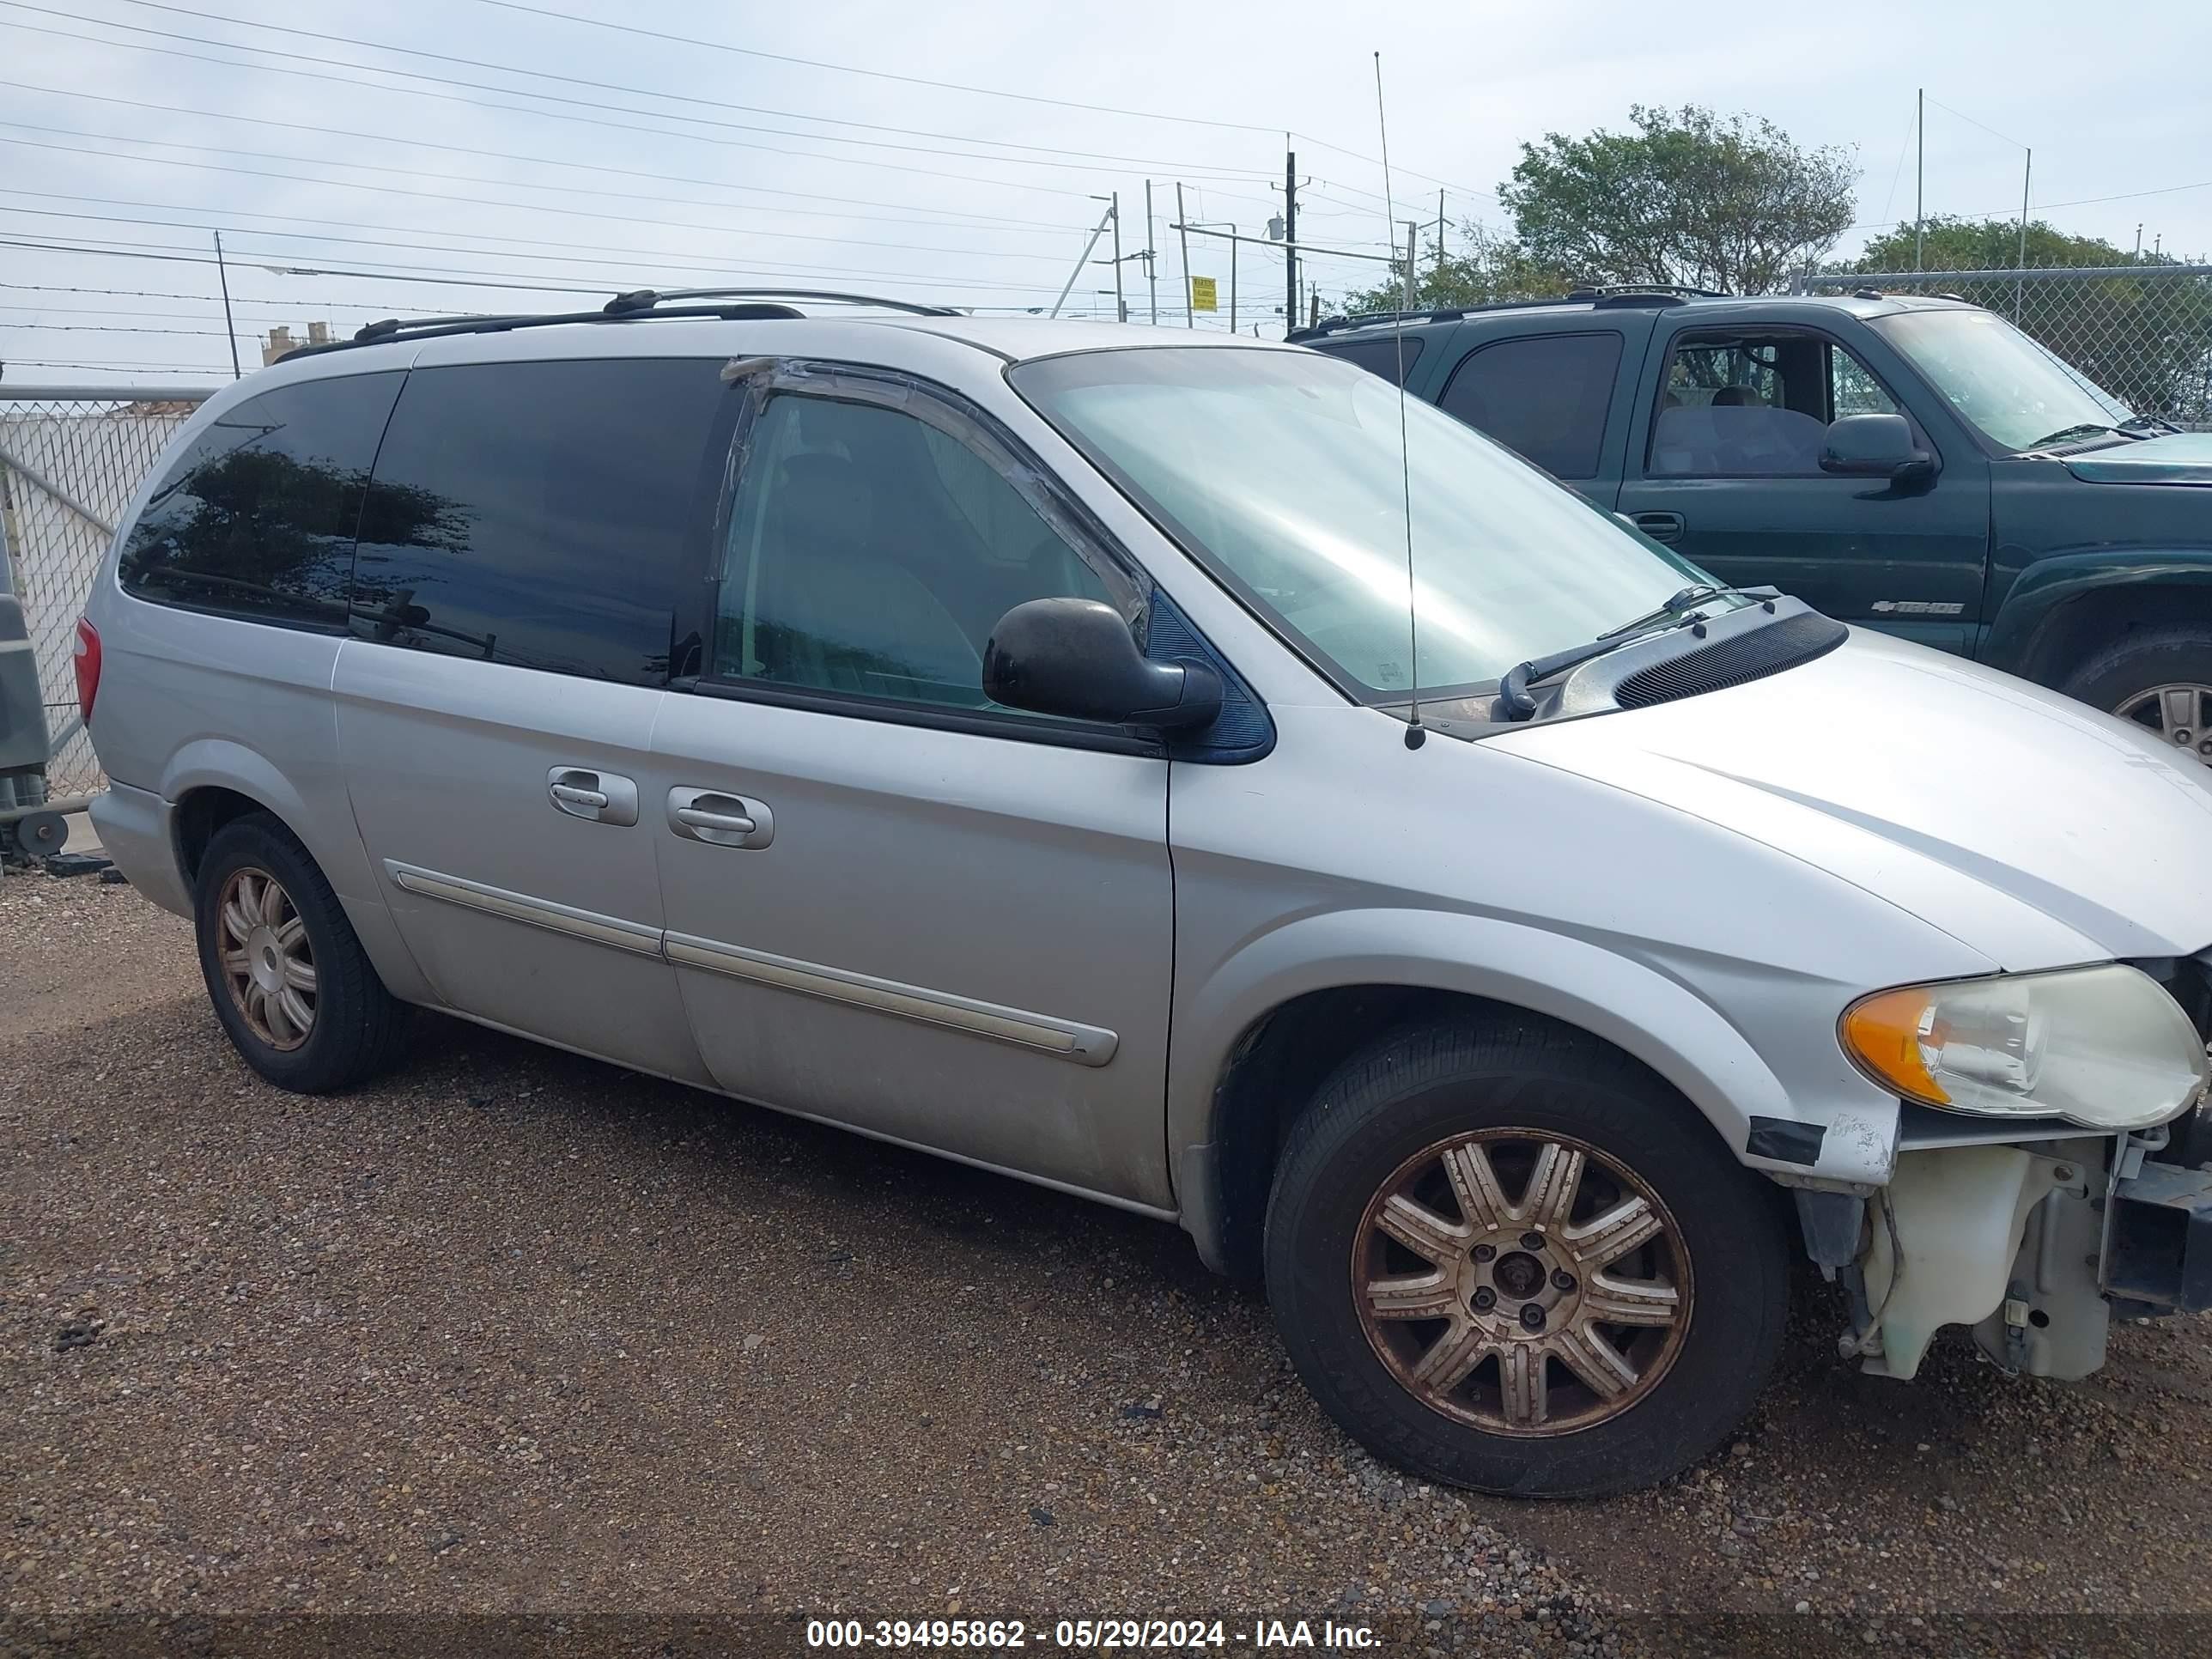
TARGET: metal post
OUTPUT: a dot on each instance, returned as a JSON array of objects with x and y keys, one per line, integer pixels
[
  {"x": 229, "y": 328},
  {"x": 1440, "y": 237},
  {"x": 1233, "y": 283},
  {"x": 1919, "y": 174},
  {"x": 2026, "y": 171},
  {"x": 1152, "y": 265},
  {"x": 1413, "y": 229},
  {"x": 1121, "y": 305},
  {"x": 1290, "y": 236},
  {"x": 1082, "y": 259},
  {"x": 1183, "y": 236}
]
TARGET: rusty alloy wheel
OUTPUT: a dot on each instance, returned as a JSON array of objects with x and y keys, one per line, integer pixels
[
  {"x": 1538, "y": 1315},
  {"x": 267, "y": 960}
]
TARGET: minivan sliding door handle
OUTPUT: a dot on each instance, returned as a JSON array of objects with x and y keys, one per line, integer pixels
[
  {"x": 595, "y": 797},
  {"x": 719, "y": 819}
]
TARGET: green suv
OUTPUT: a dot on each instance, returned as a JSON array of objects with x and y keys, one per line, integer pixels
[{"x": 1914, "y": 465}]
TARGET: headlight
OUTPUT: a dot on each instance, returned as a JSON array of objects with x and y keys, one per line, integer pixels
[{"x": 2105, "y": 1047}]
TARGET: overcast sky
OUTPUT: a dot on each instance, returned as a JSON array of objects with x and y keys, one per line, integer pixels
[{"x": 130, "y": 126}]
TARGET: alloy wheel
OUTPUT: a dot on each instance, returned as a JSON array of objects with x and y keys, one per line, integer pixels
[
  {"x": 267, "y": 961},
  {"x": 2181, "y": 713},
  {"x": 1540, "y": 1314}
]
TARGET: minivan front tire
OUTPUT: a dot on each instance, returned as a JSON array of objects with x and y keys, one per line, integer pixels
[
  {"x": 291, "y": 985},
  {"x": 1514, "y": 1261}
]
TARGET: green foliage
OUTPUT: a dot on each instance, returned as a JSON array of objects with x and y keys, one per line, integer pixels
[
  {"x": 1687, "y": 198},
  {"x": 1486, "y": 267},
  {"x": 2147, "y": 339}
]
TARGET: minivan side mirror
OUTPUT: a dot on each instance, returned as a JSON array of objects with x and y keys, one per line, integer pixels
[
  {"x": 1874, "y": 446},
  {"x": 1076, "y": 659}
]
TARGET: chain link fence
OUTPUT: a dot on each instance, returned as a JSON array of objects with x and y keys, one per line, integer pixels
[
  {"x": 2143, "y": 332},
  {"x": 69, "y": 461}
]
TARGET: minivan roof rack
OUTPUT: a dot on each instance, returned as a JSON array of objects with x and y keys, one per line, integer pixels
[{"x": 727, "y": 304}]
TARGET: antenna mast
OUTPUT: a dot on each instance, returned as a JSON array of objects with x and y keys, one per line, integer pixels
[{"x": 1415, "y": 733}]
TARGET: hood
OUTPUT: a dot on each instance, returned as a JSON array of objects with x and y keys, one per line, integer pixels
[
  {"x": 2179, "y": 457},
  {"x": 2031, "y": 828}
]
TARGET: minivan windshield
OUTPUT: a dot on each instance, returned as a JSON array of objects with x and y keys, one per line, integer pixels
[
  {"x": 2012, "y": 390},
  {"x": 1280, "y": 471}
]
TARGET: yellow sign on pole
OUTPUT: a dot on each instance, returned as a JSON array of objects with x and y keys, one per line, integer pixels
[{"x": 1201, "y": 294}]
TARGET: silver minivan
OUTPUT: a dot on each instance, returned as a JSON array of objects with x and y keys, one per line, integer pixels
[{"x": 1023, "y": 741}]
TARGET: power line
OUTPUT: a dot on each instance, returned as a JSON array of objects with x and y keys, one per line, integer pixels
[
  {"x": 880, "y": 75},
  {"x": 285, "y": 264},
  {"x": 1028, "y": 226},
  {"x": 673, "y": 259},
  {"x": 515, "y": 109},
  {"x": 112, "y": 328},
  {"x": 480, "y": 201},
  {"x": 171, "y": 294},
  {"x": 644, "y": 92}
]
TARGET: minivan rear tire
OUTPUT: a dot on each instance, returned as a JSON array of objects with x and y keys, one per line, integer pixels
[
  {"x": 285, "y": 932},
  {"x": 1706, "y": 1297}
]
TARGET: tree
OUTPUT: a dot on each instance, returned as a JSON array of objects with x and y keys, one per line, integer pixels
[
  {"x": 2147, "y": 339},
  {"x": 1488, "y": 267},
  {"x": 1688, "y": 197}
]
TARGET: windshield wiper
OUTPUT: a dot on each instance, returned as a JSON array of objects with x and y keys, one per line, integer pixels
[
  {"x": 2144, "y": 424},
  {"x": 1513, "y": 689},
  {"x": 2086, "y": 429}
]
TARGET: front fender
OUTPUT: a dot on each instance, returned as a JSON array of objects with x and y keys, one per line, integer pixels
[
  {"x": 1659, "y": 1020},
  {"x": 2045, "y": 588}
]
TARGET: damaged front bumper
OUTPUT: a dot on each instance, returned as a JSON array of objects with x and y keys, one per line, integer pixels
[{"x": 2031, "y": 1244}]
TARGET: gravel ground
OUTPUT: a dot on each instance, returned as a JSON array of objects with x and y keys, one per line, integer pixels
[{"x": 513, "y": 1333}]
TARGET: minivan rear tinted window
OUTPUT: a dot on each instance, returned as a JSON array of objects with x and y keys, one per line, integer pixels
[
  {"x": 535, "y": 513},
  {"x": 255, "y": 519}
]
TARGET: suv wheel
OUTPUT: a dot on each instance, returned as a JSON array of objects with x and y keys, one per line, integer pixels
[
  {"x": 2159, "y": 679},
  {"x": 1509, "y": 1261},
  {"x": 289, "y": 978}
]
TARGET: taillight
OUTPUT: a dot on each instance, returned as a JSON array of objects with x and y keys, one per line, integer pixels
[{"x": 87, "y": 663}]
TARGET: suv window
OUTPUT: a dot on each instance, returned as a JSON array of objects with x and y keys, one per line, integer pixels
[
  {"x": 256, "y": 518},
  {"x": 872, "y": 553},
  {"x": 1753, "y": 406},
  {"x": 535, "y": 513},
  {"x": 1380, "y": 356},
  {"x": 1544, "y": 396}
]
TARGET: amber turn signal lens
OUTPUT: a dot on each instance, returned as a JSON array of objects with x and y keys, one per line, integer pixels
[{"x": 1883, "y": 1033}]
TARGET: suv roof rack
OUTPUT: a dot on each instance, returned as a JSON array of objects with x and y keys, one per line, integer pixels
[
  {"x": 1610, "y": 294},
  {"x": 728, "y": 304}
]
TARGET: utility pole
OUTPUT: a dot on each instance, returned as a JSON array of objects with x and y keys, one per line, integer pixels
[
  {"x": 1083, "y": 258},
  {"x": 1120, "y": 309},
  {"x": 1440, "y": 238},
  {"x": 1232, "y": 284},
  {"x": 1290, "y": 236},
  {"x": 1151, "y": 266},
  {"x": 229, "y": 328},
  {"x": 1413, "y": 232},
  {"x": 2018, "y": 286},
  {"x": 1919, "y": 174},
  {"x": 1183, "y": 236}
]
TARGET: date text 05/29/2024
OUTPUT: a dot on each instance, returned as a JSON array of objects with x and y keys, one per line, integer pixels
[{"x": 1096, "y": 1635}]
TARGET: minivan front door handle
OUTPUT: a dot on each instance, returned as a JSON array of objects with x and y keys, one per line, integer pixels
[
  {"x": 1661, "y": 526},
  {"x": 595, "y": 797},
  {"x": 720, "y": 819}
]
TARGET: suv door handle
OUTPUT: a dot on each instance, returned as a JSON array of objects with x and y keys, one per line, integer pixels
[
  {"x": 1661, "y": 526},
  {"x": 720, "y": 819},
  {"x": 595, "y": 797}
]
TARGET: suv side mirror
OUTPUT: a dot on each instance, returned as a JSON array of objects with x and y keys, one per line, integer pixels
[
  {"x": 1874, "y": 446},
  {"x": 1076, "y": 659}
]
